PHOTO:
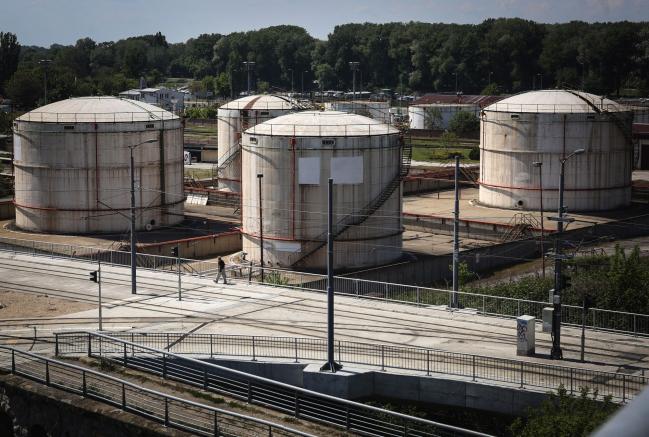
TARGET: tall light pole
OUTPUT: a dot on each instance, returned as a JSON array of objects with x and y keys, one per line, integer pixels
[
  {"x": 291, "y": 70},
  {"x": 556, "y": 351},
  {"x": 540, "y": 80},
  {"x": 331, "y": 364},
  {"x": 490, "y": 73},
  {"x": 133, "y": 250},
  {"x": 455, "y": 74},
  {"x": 456, "y": 237},
  {"x": 305, "y": 71},
  {"x": 354, "y": 66},
  {"x": 261, "y": 229},
  {"x": 250, "y": 65},
  {"x": 45, "y": 63},
  {"x": 539, "y": 165}
]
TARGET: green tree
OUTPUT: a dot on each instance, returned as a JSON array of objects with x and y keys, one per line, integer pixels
[
  {"x": 24, "y": 88},
  {"x": 9, "y": 56},
  {"x": 464, "y": 124},
  {"x": 566, "y": 415}
]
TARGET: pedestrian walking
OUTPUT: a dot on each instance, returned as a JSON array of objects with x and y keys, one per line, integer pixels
[{"x": 221, "y": 272}]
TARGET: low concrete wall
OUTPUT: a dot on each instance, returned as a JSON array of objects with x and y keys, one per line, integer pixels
[
  {"x": 352, "y": 383},
  {"x": 7, "y": 210},
  {"x": 198, "y": 247},
  {"x": 32, "y": 409},
  {"x": 429, "y": 269},
  {"x": 476, "y": 229}
]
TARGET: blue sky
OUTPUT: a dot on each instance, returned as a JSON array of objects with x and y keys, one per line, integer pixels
[{"x": 42, "y": 22}]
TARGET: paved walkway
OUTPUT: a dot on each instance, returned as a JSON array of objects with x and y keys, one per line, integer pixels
[{"x": 243, "y": 309}]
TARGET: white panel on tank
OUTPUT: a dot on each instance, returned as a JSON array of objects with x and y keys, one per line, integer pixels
[
  {"x": 287, "y": 246},
  {"x": 17, "y": 149},
  {"x": 347, "y": 170},
  {"x": 309, "y": 171}
]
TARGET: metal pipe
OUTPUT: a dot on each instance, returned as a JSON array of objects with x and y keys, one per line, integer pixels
[
  {"x": 331, "y": 364},
  {"x": 261, "y": 229},
  {"x": 456, "y": 237},
  {"x": 99, "y": 293},
  {"x": 133, "y": 253}
]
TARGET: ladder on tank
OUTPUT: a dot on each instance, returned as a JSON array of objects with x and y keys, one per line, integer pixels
[{"x": 357, "y": 218}]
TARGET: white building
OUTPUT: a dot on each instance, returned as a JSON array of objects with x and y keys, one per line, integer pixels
[{"x": 165, "y": 98}]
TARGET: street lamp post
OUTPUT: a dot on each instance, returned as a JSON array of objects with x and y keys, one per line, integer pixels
[
  {"x": 539, "y": 165},
  {"x": 133, "y": 250},
  {"x": 291, "y": 70},
  {"x": 354, "y": 66},
  {"x": 45, "y": 63},
  {"x": 261, "y": 229},
  {"x": 556, "y": 351},
  {"x": 249, "y": 66},
  {"x": 455, "y": 74},
  {"x": 302, "y": 93},
  {"x": 490, "y": 73}
]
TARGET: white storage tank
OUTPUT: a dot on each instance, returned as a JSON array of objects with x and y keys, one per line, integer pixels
[
  {"x": 437, "y": 115},
  {"x": 235, "y": 117},
  {"x": 377, "y": 110},
  {"x": 544, "y": 126},
  {"x": 297, "y": 154},
  {"x": 72, "y": 160}
]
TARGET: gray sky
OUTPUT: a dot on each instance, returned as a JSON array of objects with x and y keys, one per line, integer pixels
[{"x": 43, "y": 22}]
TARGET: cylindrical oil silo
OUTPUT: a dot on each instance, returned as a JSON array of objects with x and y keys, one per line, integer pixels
[
  {"x": 545, "y": 126},
  {"x": 437, "y": 115},
  {"x": 235, "y": 117},
  {"x": 379, "y": 111},
  {"x": 297, "y": 154},
  {"x": 72, "y": 166}
]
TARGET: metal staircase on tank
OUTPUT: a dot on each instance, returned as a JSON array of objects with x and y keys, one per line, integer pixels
[
  {"x": 612, "y": 115},
  {"x": 520, "y": 226},
  {"x": 358, "y": 217}
]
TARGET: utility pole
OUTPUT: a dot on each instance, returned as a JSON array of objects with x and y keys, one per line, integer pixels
[
  {"x": 291, "y": 70},
  {"x": 456, "y": 238},
  {"x": 96, "y": 278},
  {"x": 539, "y": 165},
  {"x": 175, "y": 252},
  {"x": 556, "y": 352},
  {"x": 331, "y": 364},
  {"x": 354, "y": 66},
  {"x": 249, "y": 66},
  {"x": 261, "y": 229},
  {"x": 305, "y": 71},
  {"x": 45, "y": 63},
  {"x": 133, "y": 248}
]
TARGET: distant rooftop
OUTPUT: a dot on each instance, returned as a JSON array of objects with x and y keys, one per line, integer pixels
[{"x": 464, "y": 99}]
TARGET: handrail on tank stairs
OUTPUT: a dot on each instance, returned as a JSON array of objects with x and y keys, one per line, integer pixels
[{"x": 357, "y": 218}]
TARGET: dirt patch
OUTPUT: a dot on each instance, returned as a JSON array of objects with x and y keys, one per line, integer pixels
[{"x": 15, "y": 305}]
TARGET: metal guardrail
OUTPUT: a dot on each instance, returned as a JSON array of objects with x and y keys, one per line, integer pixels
[
  {"x": 169, "y": 410},
  {"x": 523, "y": 374},
  {"x": 301, "y": 403},
  {"x": 596, "y": 318}
]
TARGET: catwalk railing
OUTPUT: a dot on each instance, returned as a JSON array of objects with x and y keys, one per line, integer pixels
[
  {"x": 171, "y": 411},
  {"x": 492, "y": 370},
  {"x": 596, "y": 318},
  {"x": 300, "y": 403}
]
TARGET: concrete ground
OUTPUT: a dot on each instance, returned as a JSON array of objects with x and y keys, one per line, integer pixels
[
  {"x": 441, "y": 204},
  {"x": 242, "y": 309}
]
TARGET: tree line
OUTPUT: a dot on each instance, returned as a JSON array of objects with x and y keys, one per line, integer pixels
[{"x": 495, "y": 56}]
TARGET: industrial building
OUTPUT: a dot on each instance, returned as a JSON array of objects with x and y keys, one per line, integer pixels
[
  {"x": 373, "y": 109},
  {"x": 72, "y": 166},
  {"x": 297, "y": 154},
  {"x": 544, "y": 127},
  {"x": 235, "y": 117},
  {"x": 437, "y": 116}
]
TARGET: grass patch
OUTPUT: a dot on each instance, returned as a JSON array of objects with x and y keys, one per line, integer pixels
[
  {"x": 442, "y": 154},
  {"x": 206, "y": 396},
  {"x": 198, "y": 173}
]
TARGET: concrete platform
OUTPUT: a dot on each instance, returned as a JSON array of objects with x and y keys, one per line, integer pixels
[{"x": 242, "y": 309}]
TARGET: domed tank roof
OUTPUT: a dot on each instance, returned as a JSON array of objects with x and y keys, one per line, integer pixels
[
  {"x": 556, "y": 101},
  {"x": 261, "y": 102},
  {"x": 104, "y": 109},
  {"x": 322, "y": 124}
]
